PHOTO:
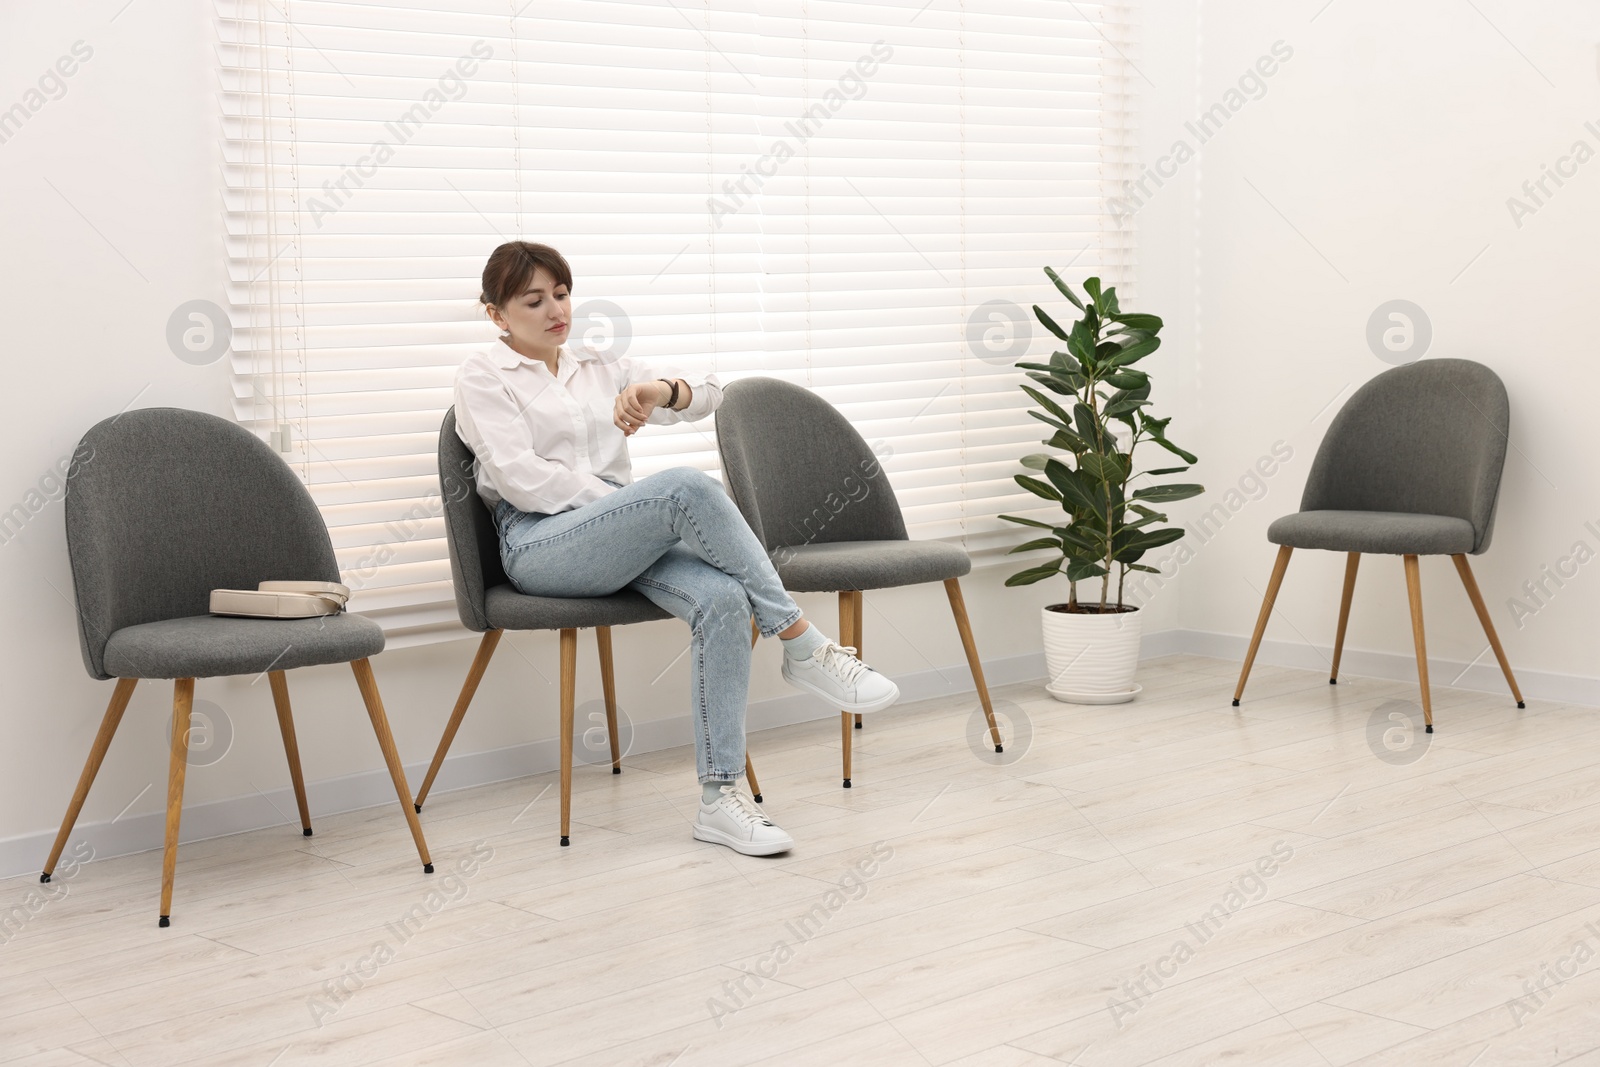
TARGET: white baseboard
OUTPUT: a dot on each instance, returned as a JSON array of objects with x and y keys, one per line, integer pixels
[
  {"x": 1483, "y": 676},
  {"x": 139, "y": 833}
]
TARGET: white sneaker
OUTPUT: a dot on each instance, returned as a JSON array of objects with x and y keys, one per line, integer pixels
[
  {"x": 735, "y": 821},
  {"x": 834, "y": 674}
]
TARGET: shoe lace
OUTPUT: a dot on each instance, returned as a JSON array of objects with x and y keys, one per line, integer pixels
[
  {"x": 841, "y": 662},
  {"x": 742, "y": 807}
]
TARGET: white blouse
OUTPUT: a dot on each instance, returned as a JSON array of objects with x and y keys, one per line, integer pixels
[{"x": 547, "y": 443}]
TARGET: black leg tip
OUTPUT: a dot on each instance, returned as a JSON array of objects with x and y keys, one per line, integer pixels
[
  {"x": 427, "y": 868},
  {"x": 858, "y": 726},
  {"x": 1430, "y": 728},
  {"x": 44, "y": 878},
  {"x": 565, "y": 842},
  {"x": 999, "y": 748},
  {"x": 306, "y": 832},
  {"x": 757, "y": 798},
  {"x": 1333, "y": 681},
  {"x": 165, "y": 922},
  {"x": 417, "y": 808},
  {"x": 1520, "y": 704},
  {"x": 847, "y": 783},
  {"x": 616, "y": 770},
  {"x": 1235, "y": 701}
]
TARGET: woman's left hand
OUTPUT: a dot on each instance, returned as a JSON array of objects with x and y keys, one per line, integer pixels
[{"x": 635, "y": 403}]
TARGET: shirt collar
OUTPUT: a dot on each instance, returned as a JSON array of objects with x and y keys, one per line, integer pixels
[{"x": 506, "y": 358}]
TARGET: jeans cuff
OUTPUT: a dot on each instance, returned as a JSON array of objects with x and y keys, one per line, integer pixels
[
  {"x": 788, "y": 621},
  {"x": 721, "y": 777}
]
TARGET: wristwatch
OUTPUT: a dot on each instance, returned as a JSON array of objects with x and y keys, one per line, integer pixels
[{"x": 672, "y": 401}]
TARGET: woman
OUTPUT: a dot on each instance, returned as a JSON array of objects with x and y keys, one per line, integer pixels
[{"x": 549, "y": 426}]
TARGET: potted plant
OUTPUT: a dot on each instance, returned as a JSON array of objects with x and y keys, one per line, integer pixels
[{"x": 1110, "y": 516}]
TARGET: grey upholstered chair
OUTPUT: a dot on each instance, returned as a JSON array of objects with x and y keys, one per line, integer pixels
[
  {"x": 1410, "y": 467},
  {"x": 164, "y": 505},
  {"x": 821, "y": 505},
  {"x": 489, "y": 604}
]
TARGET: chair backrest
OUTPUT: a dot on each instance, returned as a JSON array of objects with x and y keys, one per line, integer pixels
[
  {"x": 164, "y": 505},
  {"x": 469, "y": 528},
  {"x": 799, "y": 471},
  {"x": 1428, "y": 437}
]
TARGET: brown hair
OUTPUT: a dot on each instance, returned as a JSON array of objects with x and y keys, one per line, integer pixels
[{"x": 511, "y": 268}]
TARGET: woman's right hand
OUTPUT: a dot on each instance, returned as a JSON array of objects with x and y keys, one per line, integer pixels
[{"x": 635, "y": 403}]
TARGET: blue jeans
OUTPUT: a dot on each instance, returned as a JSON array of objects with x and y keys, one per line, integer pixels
[{"x": 677, "y": 538}]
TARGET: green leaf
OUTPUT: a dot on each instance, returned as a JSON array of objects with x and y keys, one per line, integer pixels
[
  {"x": 1035, "y": 574},
  {"x": 1083, "y": 542},
  {"x": 1078, "y": 570},
  {"x": 1073, "y": 490},
  {"x": 1183, "y": 454},
  {"x": 1049, "y": 323},
  {"x": 1125, "y": 401},
  {"x": 1149, "y": 513},
  {"x": 1143, "y": 567},
  {"x": 1070, "y": 441},
  {"x": 1138, "y": 322},
  {"x": 1092, "y": 287},
  {"x": 1038, "y": 488},
  {"x": 1127, "y": 378},
  {"x": 1036, "y": 544},
  {"x": 1042, "y": 417},
  {"x": 1164, "y": 493},
  {"x": 1132, "y": 352},
  {"x": 1081, "y": 344},
  {"x": 1066, "y": 290},
  {"x": 1108, "y": 303},
  {"x": 1102, "y": 467},
  {"x": 1145, "y": 540},
  {"x": 1157, "y": 429},
  {"x": 1083, "y": 418},
  {"x": 1035, "y": 461},
  {"x": 1167, "y": 470},
  {"x": 1057, "y": 383},
  {"x": 1049, "y": 405},
  {"x": 1028, "y": 522}
]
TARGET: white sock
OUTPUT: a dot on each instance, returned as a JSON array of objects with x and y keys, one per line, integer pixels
[
  {"x": 803, "y": 644},
  {"x": 711, "y": 792}
]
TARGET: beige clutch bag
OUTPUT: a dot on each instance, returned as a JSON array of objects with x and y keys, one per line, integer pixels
[{"x": 282, "y": 600}]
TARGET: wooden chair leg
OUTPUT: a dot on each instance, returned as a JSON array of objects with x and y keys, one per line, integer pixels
[
  {"x": 91, "y": 767},
  {"x": 1414, "y": 593},
  {"x": 569, "y": 673},
  {"x": 480, "y": 663},
  {"x": 178, "y": 763},
  {"x": 749, "y": 767},
  {"x": 1352, "y": 561},
  {"x": 602, "y": 636},
  {"x": 1278, "y": 567},
  {"x": 291, "y": 747},
  {"x": 857, "y": 636},
  {"x": 750, "y": 776},
  {"x": 958, "y": 608},
  {"x": 847, "y": 636},
  {"x": 380, "y": 726},
  {"x": 1488, "y": 626}
]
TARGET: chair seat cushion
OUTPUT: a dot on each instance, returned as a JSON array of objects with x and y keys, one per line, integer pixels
[
  {"x": 508, "y": 609},
  {"x": 867, "y": 565},
  {"x": 209, "y": 646},
  {"x": 1389, "y": 532}
]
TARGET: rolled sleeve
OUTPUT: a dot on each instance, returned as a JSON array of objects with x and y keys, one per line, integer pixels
[{"x": 491, "y": 423}]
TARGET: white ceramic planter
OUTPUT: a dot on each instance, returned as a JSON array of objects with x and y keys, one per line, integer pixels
[{"x": 1091, "y": 658}]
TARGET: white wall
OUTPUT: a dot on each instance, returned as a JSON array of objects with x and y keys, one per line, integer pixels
[
  {"x": 1377, "y": 165},
  {"x": 112, "y": 219}
]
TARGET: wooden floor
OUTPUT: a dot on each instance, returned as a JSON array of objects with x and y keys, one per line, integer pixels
[{"x": 1172, "y": 881}]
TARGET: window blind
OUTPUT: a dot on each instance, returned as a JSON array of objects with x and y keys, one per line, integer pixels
[{"x": 855, "y": 196}]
